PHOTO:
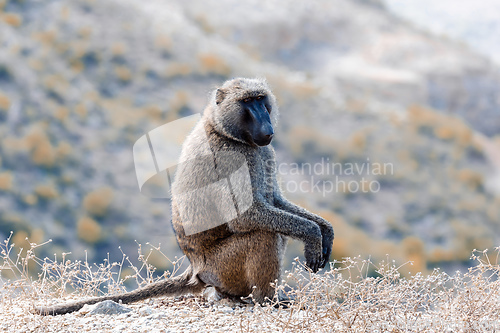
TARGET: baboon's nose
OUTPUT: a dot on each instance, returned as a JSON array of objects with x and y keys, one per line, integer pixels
[{"x": 268, "y": 131}]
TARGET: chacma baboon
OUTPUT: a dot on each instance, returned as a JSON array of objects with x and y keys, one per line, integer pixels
[{"x": 243, "y": 252}]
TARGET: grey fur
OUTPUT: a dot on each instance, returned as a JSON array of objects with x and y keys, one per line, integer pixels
[{"x": 248, "y": 250}]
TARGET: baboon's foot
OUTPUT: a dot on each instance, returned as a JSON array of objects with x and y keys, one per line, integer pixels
[{"x": 211, "y": 294}]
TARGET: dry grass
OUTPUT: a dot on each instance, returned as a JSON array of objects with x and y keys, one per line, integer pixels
[
  {"x": 353, "y": 295},
  {"x": 361, "y": 296},
  {"x": 23, "y": 274}
]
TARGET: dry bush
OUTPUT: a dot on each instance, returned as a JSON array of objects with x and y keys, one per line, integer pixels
[
  {"x": 47, "y": 191},
  {"x": 213, "y": 63},
  {"x": 81, "y": 110},
  {"x": 356, "y": 295},
  {"x": 443, "y": 126},
  {"x": 123, "y": 73},
  {"x": 12, "y": 19},
  {"x": 4, "y": 102},
  {"x": 30, "y": 199},
  {"x": 352, "y": 295},
  {"x": 177, "y": 103},
  {"x": 6, "y": 181},
  {"x": 98, "y": 201},
  {"x": 43, "y": 153},
  {"x": 175, "y": 69},
  {"x": 23, "y": 274},
  {"x": 89, "y": 229},
  {"x": 163, "y": 42}
]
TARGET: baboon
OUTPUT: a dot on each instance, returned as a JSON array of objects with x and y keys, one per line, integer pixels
[{"x": 244, "y": 253}]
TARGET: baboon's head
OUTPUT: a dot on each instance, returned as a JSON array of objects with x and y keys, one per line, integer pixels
[{"x": 245, "y": 110}]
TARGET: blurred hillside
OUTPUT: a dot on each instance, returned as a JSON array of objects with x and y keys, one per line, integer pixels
[
  {"x": 475, "y": 22},
  {"x": 81, "y": 81}
]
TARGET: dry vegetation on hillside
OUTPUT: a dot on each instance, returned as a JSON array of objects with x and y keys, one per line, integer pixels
[{"x": 353, "y": 295}]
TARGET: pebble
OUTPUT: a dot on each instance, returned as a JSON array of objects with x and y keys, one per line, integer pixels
[
  {"x": 109, "y": 308},
  {"x": 227, "y": 309},
  {"x": 145, "y": 311},
  {"x": 123, "y": 316}
]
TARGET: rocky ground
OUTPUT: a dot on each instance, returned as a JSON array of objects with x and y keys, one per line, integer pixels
[
  {"x": 169, "y": 315},
  {"x": 343, "y": 300}
]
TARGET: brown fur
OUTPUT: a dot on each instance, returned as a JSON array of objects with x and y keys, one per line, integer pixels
[{"x": 248, "y": 250}]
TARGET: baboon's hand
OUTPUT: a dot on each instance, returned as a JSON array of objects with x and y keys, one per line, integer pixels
[
  {"x": 313, "y": 255},
  {"x": 327, "y": 243}
]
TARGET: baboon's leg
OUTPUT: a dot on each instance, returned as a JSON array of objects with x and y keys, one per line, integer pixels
[
  {"x": 264, "y": 264},
  {"x": 243, "y": 261}
]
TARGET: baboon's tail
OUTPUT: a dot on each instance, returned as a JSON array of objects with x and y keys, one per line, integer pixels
[{"x": 182, "y": 284}]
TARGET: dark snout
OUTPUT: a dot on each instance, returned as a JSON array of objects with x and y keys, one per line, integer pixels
[
  {"x": 265, "y": 136},
  {"x": 262, "y": 130}
]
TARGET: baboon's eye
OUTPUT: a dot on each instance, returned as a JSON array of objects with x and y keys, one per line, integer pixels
[
  {"x": 247, "y": 100},
  {"x": 259, "y": 98}
]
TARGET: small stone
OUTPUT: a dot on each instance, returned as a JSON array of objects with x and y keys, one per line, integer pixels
[
  {"x": 157, "y": 316},
  {"x": 145, "y": 311},
  {"x": 123, "y": 316},
  {"x": 227, "y": 309},
  {"x": 108, "y": 308},
  {"x": 120, "y": 328}
]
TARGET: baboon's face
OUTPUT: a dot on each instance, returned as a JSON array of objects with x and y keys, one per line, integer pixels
[
  {"x": 256, "y": 120},
  {"x": 245, "y": 110}
]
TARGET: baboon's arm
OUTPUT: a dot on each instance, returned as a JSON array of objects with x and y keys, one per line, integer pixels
[
  {"x": 325, "y": 226},
  {"x": 282, "y": 203},
  {"x": 266, "y": 217}
]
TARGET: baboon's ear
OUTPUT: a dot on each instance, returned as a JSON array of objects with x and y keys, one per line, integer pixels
[{"x": 219, "y": 95}]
